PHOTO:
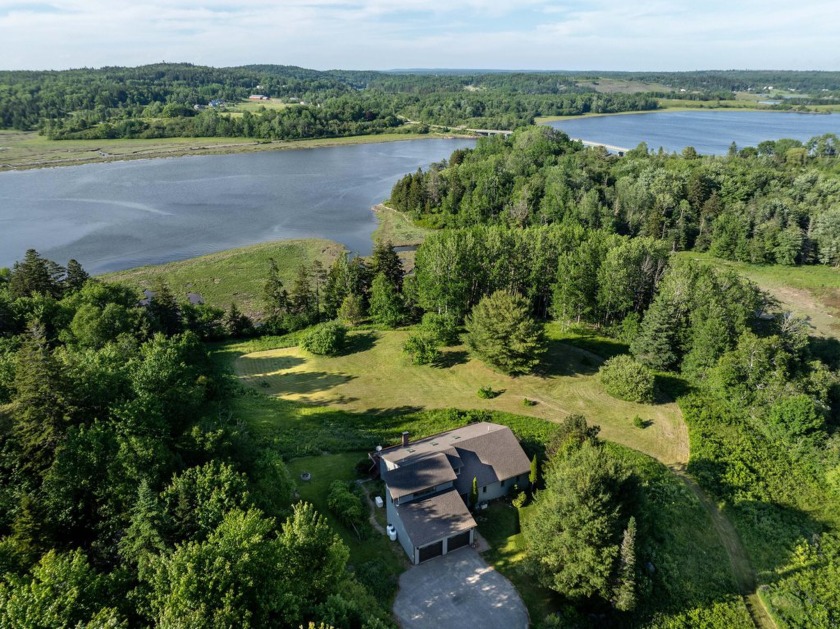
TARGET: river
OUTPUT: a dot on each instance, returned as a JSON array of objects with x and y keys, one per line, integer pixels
[
  {"x": 709, "y": 132},
  {"x": 119, "y": 215},
  {"x": 114, "y": 216}
]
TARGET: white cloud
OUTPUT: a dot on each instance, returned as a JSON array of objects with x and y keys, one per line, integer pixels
[{"x": 379, "y": 34}]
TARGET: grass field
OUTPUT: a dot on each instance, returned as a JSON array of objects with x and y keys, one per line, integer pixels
[
  {"x": 26, "y": 149},
  {"x": 232, "y": 276},
  {"x": 376, "y": 378},
  {"x": 398, "y": 229},
  {"x": 812, "y": 291}
]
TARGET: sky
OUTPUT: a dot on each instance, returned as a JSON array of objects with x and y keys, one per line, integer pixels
[{"x": 391, "y": 34}]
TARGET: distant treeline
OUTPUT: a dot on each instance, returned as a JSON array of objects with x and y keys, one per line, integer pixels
[
  {"x": 164, "y": 100},
  {"x": 775, "y": 203}
]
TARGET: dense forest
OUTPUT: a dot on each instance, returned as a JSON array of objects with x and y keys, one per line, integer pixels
[
  {"x": 775, "y": 203},
  {"x": 130, "y": 496},
  {"x": 171, "y": 100}
]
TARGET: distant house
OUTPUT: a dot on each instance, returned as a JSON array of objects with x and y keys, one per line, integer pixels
[
  {"x": 428, "y": 484},
  {"x": 258, "y": 97}
]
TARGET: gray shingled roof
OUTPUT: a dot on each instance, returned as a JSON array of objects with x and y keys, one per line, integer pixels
[
  {"x": 490, "y": 452},
  {"x": 434, "y": 518},
  {"x": 429, "y": 471}
]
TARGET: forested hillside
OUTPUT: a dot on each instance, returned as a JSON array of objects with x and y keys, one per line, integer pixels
[
  {"x": 774, "y": 203},
  {"x": 183, "y": 100}
]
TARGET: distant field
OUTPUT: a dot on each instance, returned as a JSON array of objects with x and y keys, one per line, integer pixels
[
  {"x": 256, "y": 105},
  {"x": 377, "y": 378},
  {"x": 812, "y": 291},
  {"x": 27, "y": 149},
  {"x": 233, "y": 276},
  {"x": 622, "y": 86}
]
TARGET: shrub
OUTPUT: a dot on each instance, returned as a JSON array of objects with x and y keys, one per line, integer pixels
[
  {"x": 487, "y": 393},
  {"x": 442, "y": 327},
  {"x": 638, "y": 422},
  {"x": 345, "y": 505},
  {"x": 327, "y": 339},
  {"x": 529, "y": 402},
  {"x": 626, "y": 379},
  {"x": 422, "y": 348}
]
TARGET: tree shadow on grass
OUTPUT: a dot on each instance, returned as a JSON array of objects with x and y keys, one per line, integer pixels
[
  {"x": 358, "y": 342},
  {"x": 253, "y": 364},
  {"x": 451, "y": 358},
  {"x": 561, "y": 359},
  {"x": 670, "y": 387},
  {"x": 303, "y": 382}
]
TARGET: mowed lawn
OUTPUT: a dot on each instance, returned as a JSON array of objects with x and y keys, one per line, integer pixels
[{"x": 374, "y": 376}]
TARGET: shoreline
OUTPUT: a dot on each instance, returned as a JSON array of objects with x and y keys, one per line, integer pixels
[
  {"x": 82, "y": 152},
  {"x": 541, "y": 120}
]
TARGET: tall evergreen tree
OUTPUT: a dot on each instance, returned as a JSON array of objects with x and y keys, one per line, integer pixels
[
  {"x": 275, "y": 297},
  {"x": 657, "y": 343},
  {"x": 163, "y": 312},
  {"x": 40, "y": 418},
  {"x": 386, "y": 304},
  {"x": 35, "y": 274},
  {"x": 625, "y": 591},
  {"x": 386, "y": 261},
  {"x": 75, "y": 277},
  {"x": 302, "y": 301}
]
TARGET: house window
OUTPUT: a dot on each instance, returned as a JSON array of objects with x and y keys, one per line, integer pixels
[{"x": 484, "y": 490}]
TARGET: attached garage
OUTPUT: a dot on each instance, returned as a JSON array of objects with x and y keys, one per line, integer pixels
[
  {"x": 431, "y": 551},
  {"x": 458, "y": 541}
]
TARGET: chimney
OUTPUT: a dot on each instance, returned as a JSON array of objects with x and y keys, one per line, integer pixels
[{"x": 405, "y": 438}]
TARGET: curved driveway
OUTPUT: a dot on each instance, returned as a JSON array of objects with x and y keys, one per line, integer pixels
[{"x": 458, "y": 590}]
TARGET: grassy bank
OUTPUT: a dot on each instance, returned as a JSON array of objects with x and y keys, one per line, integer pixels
[
  {"x": 232, "y": 276},
  {"x": 20, "y": 150}
]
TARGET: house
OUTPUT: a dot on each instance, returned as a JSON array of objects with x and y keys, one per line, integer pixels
[
  {"x": 258, "y": 97},
  {"x": 428, "y": 484}
]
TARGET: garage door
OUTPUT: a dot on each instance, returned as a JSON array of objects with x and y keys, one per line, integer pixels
[
  {"x": 458, "y": 541},
  {"x": 432, "y": 550}
]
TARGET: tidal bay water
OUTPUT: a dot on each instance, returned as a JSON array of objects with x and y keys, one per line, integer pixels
[
  {"x": 119, "y": 215},
  {"x": 709, "y": 132}
]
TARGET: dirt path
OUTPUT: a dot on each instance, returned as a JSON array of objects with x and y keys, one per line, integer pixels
[
  {"x": 741, "y": 568},
  {"x": 372, "y": 515}
]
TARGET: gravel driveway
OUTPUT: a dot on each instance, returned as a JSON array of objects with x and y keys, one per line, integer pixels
[{"x": 458, "y": 590}]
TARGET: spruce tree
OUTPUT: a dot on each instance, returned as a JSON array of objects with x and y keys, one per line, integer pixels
[
  {"x": 625, "y": 591},
  {"x": 163, "y": 311},
  {"x": 39, "y": 405},
  {"x": 386, "y": 304},
  {"x": 386, "y": 261},
  {"x": 656, "y": 344},
  {"x": 501, "y": 333},
  {"x": 75, "y": 277},
  {"x": 275, "y": 297}
]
